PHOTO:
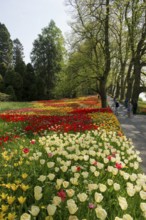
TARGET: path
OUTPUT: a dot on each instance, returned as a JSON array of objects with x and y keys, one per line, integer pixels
[{"x": 134, "y": 128}]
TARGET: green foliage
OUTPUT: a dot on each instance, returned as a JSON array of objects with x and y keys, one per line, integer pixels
[
  {"x": 141, "y": 107},
  {"x": 13, "y": 84},
  {"x": 9, "y": 77},
  {"x": 5, "y": 46},
  {"x": 47, "y": 55},
  {"x": 4, "y": 97},
  {"x": 81, "y": 77},
  {"x": 10, "y": 91},
  {"x": 1, "y": 83},
  {"x": 99, "y": 38},
  {"x": 17, "y": 52},
  {"x": 3, "y": 68},
  {"x": 63, "y": 87}
]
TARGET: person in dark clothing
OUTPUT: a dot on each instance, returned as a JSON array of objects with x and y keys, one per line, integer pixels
[
  {"x": 134, "y": 103},
  {"x": 116, "y": 107},
  {"x": 129, "y": 109},
  {"x": 126, "y": 103}
]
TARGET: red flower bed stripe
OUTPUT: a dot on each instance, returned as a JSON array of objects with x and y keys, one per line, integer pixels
[
  {"x": 77, "y": 120},
  {"x": 74, "y": 122},
  {"x": 86, "y": 111}
]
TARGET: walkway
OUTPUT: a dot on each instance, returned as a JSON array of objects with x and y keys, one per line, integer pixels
[{"x": 134, "y": 128}]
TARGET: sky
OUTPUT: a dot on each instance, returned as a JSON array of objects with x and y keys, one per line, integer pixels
[{"x": 25, "y": 19}]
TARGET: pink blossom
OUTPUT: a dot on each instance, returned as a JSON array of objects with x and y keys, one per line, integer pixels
[
  {"x": 95, "y": 163},
  {"x": 50, "y": 154},
  {"x": 91, "y": 206}
]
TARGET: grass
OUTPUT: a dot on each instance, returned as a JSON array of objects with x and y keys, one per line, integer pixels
[
  {"x": 14, "y": 105},
  {"x": 5, "y": 106},
  {"x": 142, "y": 107}
]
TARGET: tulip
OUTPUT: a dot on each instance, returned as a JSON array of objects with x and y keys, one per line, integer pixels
[
  {"x": 25, "y": 216},
  {"x": 34, "y": 210},
  {"x": 21, "y": 199},
  {"x": 123, "y": 203},
  {"x": 51, "y": 209}
]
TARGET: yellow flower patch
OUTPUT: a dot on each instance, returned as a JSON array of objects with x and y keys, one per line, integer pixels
[{"x": 106, "y": 120}]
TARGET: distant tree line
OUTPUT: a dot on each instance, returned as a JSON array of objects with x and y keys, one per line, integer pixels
[
  {"x": 35, "y": 80},
  {"x": 106, "y": 54}
]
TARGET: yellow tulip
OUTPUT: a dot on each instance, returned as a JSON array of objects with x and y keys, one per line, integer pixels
[
  {"x": 20, "y": 162},
  {"x": 4, "y": 195},
  {"x": 15, "y": 164},
  {"x": 4, "y": 208},
  {"x": 24, "y": 175},
  {"x": 21, "y": 199},
  {"x": 2, "y": 215},
  {"x": 14, "y": 187},
  {"x": 8, "y": 185},
  {"x": 17, "y": 182},
  {"x": 24, "y": 187},
  {"x": 12, "y": 216},
  {"x": 10, "y": 199}
]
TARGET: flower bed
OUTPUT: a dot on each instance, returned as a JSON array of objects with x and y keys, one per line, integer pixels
[{"x": 79, "y": 166}]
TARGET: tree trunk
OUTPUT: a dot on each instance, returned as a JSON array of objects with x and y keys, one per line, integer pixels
[
  {"x": 102, "y": 88},
  {"x": 122, "y": 90},
  {"x": 113, "y": 91},
  {"x": 129, "y": 89},
  {"x": 117, "y": 90},
  {"x": 122, "y": 93},
  {"x": 129, "y": 81},
  {"x": 107, "y": 59},
  {"x": 137, "y": 75}
]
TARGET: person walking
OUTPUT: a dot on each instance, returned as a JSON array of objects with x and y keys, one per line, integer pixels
[
  {"x": 126, "y": 102},
  {"x": 129, "y": 109},
  {"x": 116, "y": 107}
]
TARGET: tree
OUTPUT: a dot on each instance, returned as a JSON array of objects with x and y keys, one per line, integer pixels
[
  {"x": 120, "y": 49},
  {"x": 13, "y": 80},
  {"x": 20, "y": 68},
  {"x": 30, "y": 92},
  {"x": 18, "y": 85},
  {"x": 47, "y": 56},
  {"x": 91, "y": 23},
  {"x": 1, "y": 83},
  {"x": 9, "y": 77},
  {"x": 18, "y": 54},
  {"x": 5, "y": 46},
  {"x": 140, "y": 51},
  {"x": 11, "y": 92},
  {"x": 80, "y": 70}
]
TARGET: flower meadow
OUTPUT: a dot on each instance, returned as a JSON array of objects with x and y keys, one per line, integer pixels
[{"x": 68, "y": 160}]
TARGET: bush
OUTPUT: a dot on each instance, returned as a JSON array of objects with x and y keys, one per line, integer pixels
[{"x": 4, "y": 97}]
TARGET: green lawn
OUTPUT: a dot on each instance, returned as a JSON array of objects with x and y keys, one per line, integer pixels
[
  {"x": 8, "y": 127},
  {"x": 142, "y": 107},
  {"x": 14, "y": 105}
]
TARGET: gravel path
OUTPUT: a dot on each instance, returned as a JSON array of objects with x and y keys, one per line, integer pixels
[{"x": 134, "y": 128}]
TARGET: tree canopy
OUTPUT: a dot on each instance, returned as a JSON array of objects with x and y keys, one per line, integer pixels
[{"x": 47, "y": 56}]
